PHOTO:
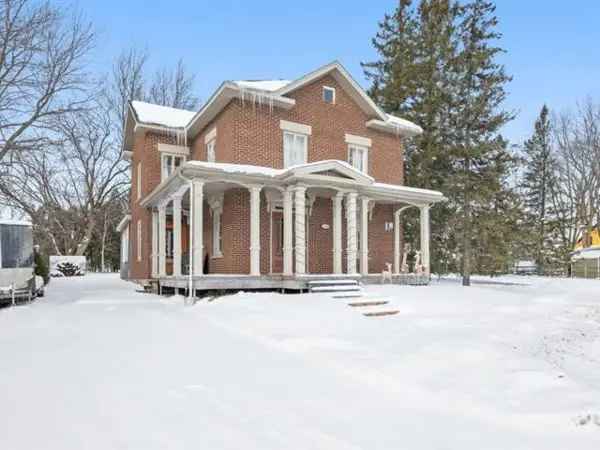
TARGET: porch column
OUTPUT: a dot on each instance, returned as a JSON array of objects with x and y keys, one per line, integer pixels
[
  {"x": 337, "y": 232},
  {"x": 425, "y": 238},
  {"x": 162, "y": 240},
  {"x": 364, "y": 236},
  {"x": 255, "y": 230},
  {"x": 351, "y": 231},
  {"x": 300, "y": 226},
  {"x": 154, "y": 243},
  {"x": 196, "y": 230},
  {"x": 177, "y": 235},
  {"x": 288, "y": 262},
  {"x": 397, "y": 241}
]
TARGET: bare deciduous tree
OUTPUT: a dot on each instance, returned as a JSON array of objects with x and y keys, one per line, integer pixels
[
  {"x": 65, "y": 188},
  {"x": 127, "y": 83},
  {"x": 174, "y": 88},
  {"x": 576, "y": 196},
  {"x": 42, "y": 52}
]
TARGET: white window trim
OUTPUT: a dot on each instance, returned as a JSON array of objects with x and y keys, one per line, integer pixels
[
  {"x": 139, "y": 180},
  {"x": 294, "y": 127},
  {"x": 211, "y": 135},
  {"x": 212, "y": 143},
  {"x": 138, "y": 238},
  {"x": 357, "y": 140},
  {"x": 173, "y": 149},
  {"x": 216, "y": 232},
  {"x": 329, "y": 88},
  {"x": 365, "y": 156},
  {"x": 163, "y": 156},
  {"x": 285, "y": 157}
]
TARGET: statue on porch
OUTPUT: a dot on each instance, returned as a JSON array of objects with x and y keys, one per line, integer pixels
[
  {"x": 419, "y": 268},
  {"x": 404, "y": 265},
  {"x": 386, "y": 274}
]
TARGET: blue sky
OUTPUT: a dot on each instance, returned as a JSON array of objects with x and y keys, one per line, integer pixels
[{"x": 552, "y": 45}]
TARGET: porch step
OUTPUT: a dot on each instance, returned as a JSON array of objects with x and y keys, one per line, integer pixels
[
  {"x": 348, "y": 295},
  {"x": 381, "y": 313},
  {"x": 367, "y": 303},
  {"x": 333, "y": 285}
]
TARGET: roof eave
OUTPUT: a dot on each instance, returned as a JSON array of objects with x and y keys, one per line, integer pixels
[
  {"x": 390, "y": 127},
  {"x": 226, "y": 92}
]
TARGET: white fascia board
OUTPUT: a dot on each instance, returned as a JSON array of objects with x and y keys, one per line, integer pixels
[
  {"x": 394, "y": 128},
  {"x": 223, "y": 95},
  {"x": 407, "y": 194},
  {"x": 358, "y": 140},
  {"x": 295, "y": 127},
  {"x": 345, "y": 77},
  {"x": 313, "y": 169}
]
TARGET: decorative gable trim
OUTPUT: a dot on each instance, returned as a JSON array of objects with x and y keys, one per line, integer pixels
[
  {"x": 317, "y": 169},
  {"x": 295, "y": 127}
]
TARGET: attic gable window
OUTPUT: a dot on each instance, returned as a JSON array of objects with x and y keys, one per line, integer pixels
[{"x": 328, "y": 94}]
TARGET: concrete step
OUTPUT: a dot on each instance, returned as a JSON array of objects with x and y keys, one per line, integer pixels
[
  {"x": 367, "y": 303},
  {"x": 336, "y": 289},
  {"x": 348, "y": 295},
  {"x": 381, "y": 313},
  {"x": 332, "y": 281},
  {"x": 334, "y": 285}
]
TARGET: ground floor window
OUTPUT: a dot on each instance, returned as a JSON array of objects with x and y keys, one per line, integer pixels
[{"x": 217, "y": 235}]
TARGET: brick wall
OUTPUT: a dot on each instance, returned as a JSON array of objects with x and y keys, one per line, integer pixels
[{"x": 250, "y": 134}]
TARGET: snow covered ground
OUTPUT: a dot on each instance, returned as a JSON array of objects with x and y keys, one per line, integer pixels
[{"x": 95, "y": 365}]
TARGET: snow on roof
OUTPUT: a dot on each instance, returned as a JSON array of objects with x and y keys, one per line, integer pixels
[
  {"x": 403, "y": 123},
  {"x": 261, "y": 170},
  {"x": 587, "y": 253},
  {"x": 161, "y": 115},
  {"x": 402, "y": 188},
  {"x": 263, "y": 85},
  {"x": 237, "y": 168}
]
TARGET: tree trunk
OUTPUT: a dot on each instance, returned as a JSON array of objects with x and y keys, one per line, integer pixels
[{"x": 466, "y": 262}]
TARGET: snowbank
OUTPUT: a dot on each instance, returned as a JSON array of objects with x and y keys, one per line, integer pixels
[{"x": 96, "y": 365}]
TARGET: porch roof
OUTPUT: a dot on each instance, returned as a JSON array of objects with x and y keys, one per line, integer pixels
[{"x": 334, "y": 174}]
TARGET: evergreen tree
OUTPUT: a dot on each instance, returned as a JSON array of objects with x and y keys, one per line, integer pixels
[
  {"x": 480, "y": 153},
  {"x": 412, "y": 79},
  {"x": 438, "y": 67},
  {"x": 538, "y": 179}
]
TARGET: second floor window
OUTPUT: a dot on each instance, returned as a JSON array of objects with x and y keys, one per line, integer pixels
[
  {"x": 210, "y": 151},
  {"x": 294, "y": 149},
  {"x": 358, "y": 157},
  {"x": 170, "y": 163}
]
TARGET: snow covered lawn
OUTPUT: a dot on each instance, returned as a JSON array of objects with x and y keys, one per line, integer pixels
[{"x": 95, "y": 365}]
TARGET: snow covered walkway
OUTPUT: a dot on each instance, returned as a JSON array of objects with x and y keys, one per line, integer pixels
[{"x": 95, "y": 365}]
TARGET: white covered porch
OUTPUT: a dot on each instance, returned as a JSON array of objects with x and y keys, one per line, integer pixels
[{"x": 290, "y": 193}]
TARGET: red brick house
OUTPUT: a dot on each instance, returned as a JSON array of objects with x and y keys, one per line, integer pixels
[{"x": 268, "y": 185}]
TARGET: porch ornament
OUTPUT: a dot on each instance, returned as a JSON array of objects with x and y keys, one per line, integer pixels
[
  {"x": 404, "y": 266},
  {"x": 386, "y": 274},
  {"x": 419, "y": 268}
]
